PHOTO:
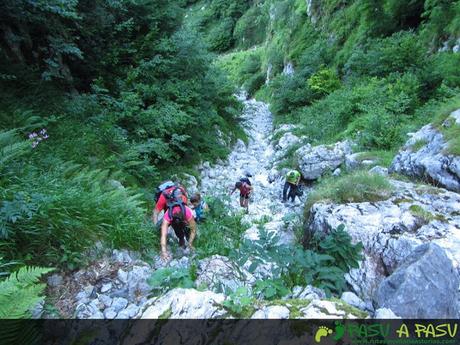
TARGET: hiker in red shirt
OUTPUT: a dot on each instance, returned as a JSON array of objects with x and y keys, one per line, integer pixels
[
  {"x": 245, "y": 188},
  {"x": 165, "y": 192}
]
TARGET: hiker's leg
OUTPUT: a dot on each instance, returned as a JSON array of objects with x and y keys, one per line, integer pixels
[
  {"x": 241, "y": 201},
  {"x": 285, "y": 189},
  {"x": 293, "y": 192},
  {"x": 180, "y": 233},
  {"x": 187, "y": 233}
]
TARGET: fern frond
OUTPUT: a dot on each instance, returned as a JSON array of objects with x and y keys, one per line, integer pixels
[
  {"x": 30, "y": 275},
  {"x": 20, "y": 292}
]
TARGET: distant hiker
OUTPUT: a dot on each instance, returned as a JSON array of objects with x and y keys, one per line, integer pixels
[
  {"x": 199, "y": 206},
  {"x": 180, "y": 217},
  {"x": 167, "y": 194},
  {"x": 291, "y": 184},
  {"x": 245, "y": 188}
]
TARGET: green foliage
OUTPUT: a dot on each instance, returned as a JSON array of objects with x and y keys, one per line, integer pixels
[
  {"x": 270, "y": 289},
  {"x": 220, "y": 37},
  {"x": 358, "y": 186},
  {"x": 381, "y": 57},
  {"x": 452, "y": 134},
  {"x": 240, "y": 303},
  {"x": 216, "y": 21},
  {"x": 293, "y": 265},
  {"x": 121, "y": 88},
  {"x": 221, "y": 231},
  {"x": 54, "y": 217},
  {"x": 165, "y": 279},
  {"x": 421, "y": 213},
  {"x": 11, "y": 148},
  {"x": 338, "y": 245},
  {"x": 324, "y": 81},
  {"x": 251, "y": 28},
  {"x": 21, "y": 291}
]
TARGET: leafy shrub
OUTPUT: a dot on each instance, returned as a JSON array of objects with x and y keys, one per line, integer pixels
[
  {"x": 380, "y": 57},
  {"x": 270, "y": 289},
  {"x": 165, "y": 279},
  {"x": 20, "y": 292},
  {"x": 337, "y": 244},
  {"x": 297, "y": 266},
  {"x": 289, "y": 93},
  {"x": 240, "y": 303},
  {"x": 221, "y": 231},
  {"x": 380, "y": 129},
  {"x": 324, "y": 81},
  {"x": 254, "y": 83},
  {"x": 220, "y": 37}
]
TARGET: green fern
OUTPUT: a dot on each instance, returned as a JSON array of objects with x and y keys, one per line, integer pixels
[
  {"x": 11, "y": 147},
  {"x": 21, "y": 291}
]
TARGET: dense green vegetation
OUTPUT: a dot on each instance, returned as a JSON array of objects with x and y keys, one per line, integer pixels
[
  {"x": 99, "y": 101},
  {"x": 366, "y": 70}
]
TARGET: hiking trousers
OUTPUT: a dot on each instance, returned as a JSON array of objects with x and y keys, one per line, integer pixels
[
  {"x": 182, "y": 232},
  {"x": 292, "y": 191}
]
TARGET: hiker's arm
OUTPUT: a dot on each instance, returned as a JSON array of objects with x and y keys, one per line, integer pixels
[
  {"x": 192, "y": 225},
  {"x": 298, "y": 180},
  {"x": 164, "y": 233},
  {"x": 155, "y": 216},
  {"x": 233, "y": 191}
]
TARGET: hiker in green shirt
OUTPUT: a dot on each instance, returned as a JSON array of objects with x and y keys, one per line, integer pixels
[{"x": 292, "y": 183}]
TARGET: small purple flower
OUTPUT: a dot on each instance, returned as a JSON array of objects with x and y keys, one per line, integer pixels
[
  {"x": 32, "y": 135},
  {"x": 43, "y": 131},
  {"x": 34, "y": 144},
  {"x": 46, "y": 136}
]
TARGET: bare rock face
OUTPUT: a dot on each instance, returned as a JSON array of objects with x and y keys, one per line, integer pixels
[
  {"x": 315, "y": 161},
  {"x": 185, "y": 304},
  {"x": 272, "y": 312},
  {"x": 391, "y": 229},
  {"x": 425, "y": 156},
  {"x": 424, "y": 286},
  {"x": 287, "y": 140},
  {"x": 221, "y": 274}
]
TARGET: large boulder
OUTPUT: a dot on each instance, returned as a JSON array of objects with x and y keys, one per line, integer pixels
[
  {"x": 391, "y": 229},
  {"x": 425, "y": 156},
  {"x": 185, "y": 304},
  {"x": 315, "y": 161},
  {"x": 287, "y": 140},
  {"x": 424, "y": 286}
]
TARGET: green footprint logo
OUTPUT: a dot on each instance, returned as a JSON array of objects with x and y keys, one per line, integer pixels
[
  {"x": 339, "y": 330},
  {"x": 323, "y": 331}
]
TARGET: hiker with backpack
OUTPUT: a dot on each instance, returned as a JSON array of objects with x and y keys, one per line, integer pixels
[
  {"x": 245, "y": 188},
  {"x": 180, "y": 218},
  {"x": 199, "y": 206},
  {"x": 291, "y": 184},
  {"x": 166, "y": 192}
]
